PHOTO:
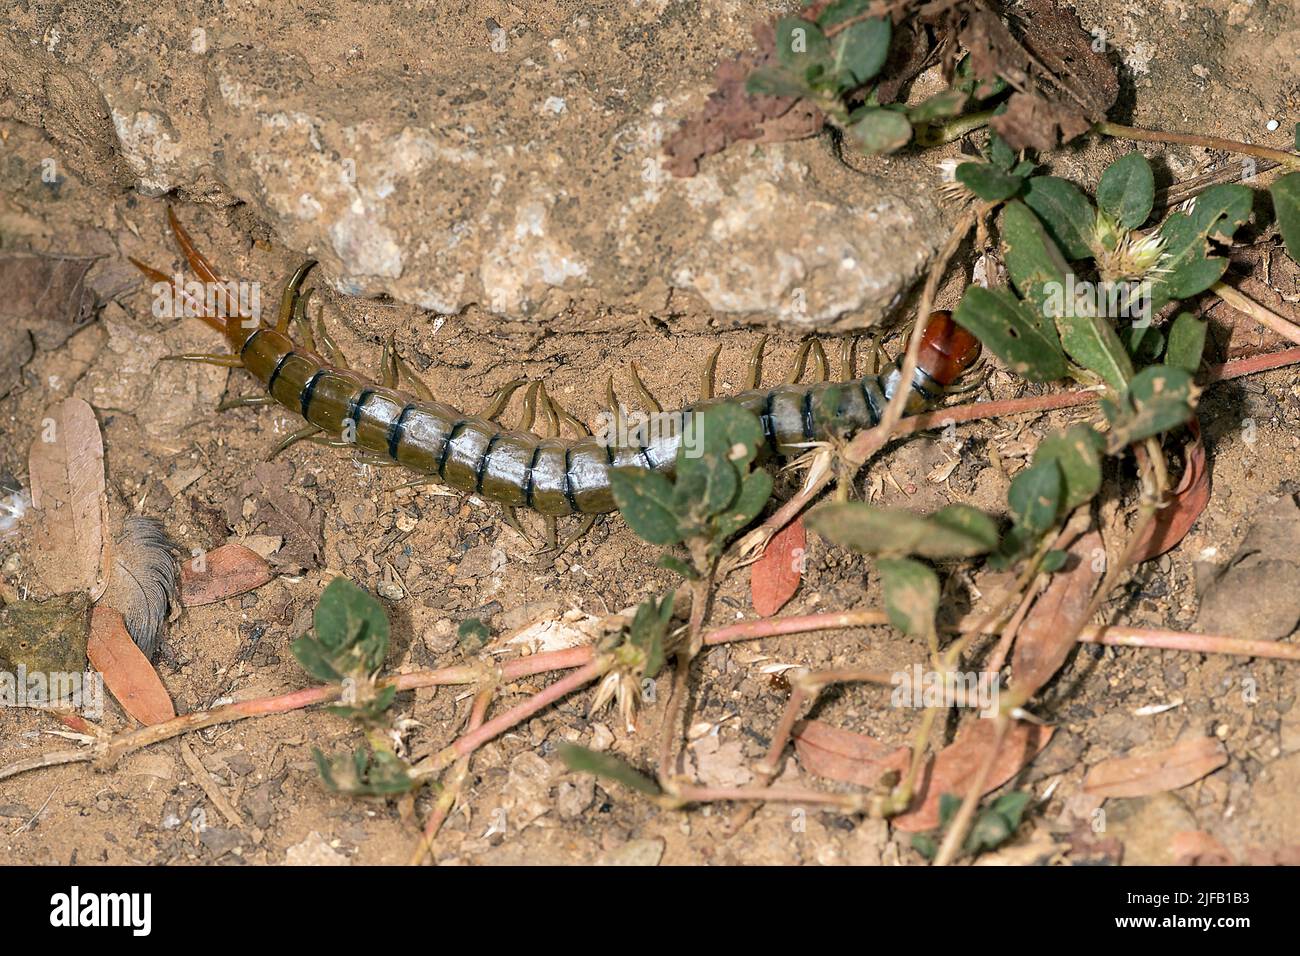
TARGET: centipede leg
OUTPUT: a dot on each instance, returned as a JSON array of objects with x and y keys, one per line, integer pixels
[
  {"x": 225, "y": 361},
  {"x": 293, "y": 438},
  {"x": 847, "y": 365},
  {"x": 874, "y": 354},
  {"x": 552, "y": 539},
  {"x": 567, "y": 418},
  {"x": 388, "y": 363},
  {"x": 800, "y": 362},
  {"x": 511, "y": 517},
  {"x": 821, "y": 366},
  {"x": 303, "y": 322},
  {"x": 331, "y": 349},
  {"x": 421, "y": 390},
  {"x": 529, "y": 413},
  {"x": 649, "y": 401},
  {"x": 707, "y": 376},
  {"x": 615, "y": 407},
  {"x": 547, "y": 406},
  {"x": 244, "y": 401},
  {"x": 497, "y": 403},
  {"x": 755, "y": 368},
  {"x": 587, "y": 522},
  {"x": 290, "y": 296}
]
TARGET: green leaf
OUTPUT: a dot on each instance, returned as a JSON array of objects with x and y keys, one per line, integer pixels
[
  {"x": 349, "y": 634},
  {"x": 1035, "y": 495},
  {"x": 755, "y": 490},
  {"x": 728, "y": 431},
  {"x": 1189, "y": 268},
  {"x": 1158, "y": 399},
  {"x": 956, "y": 531},
  {"x": 1064, "y": 210},
  {"x": 879, "y": 130},
  {"x": 1186, "y": 342},
  {"x": 649, "y": 628},
  {"x": 800, "y": 44},
  {"x": 1013, "y": 332},
  {"x": 1127, "y": 190},
  {"x": 943, "y": 105},
  {"x": 645, "y": 499},
  {"x": 994, "y": 825},
  {"x": 968, "y": 532},
  {"x": 1144, "y": 343},
  {"x": 1001, "y": 154},
  {"x": 1036, "y": 267},
  {"x": 365, "y": 773},
  {"x": 861, "y": 50},
  {"x": 472, "y": 634},
  {"x": 1092, "y": 342},
  {"x": 1077, "y": 451},
  {"x": 705, "y": 486},
  {"x": 911, "y": 592},
  {"x": 988, "y": 182},
  {"x": 774, "y": 81},
  {"x": 1286, "y": 206},
  {"x": 608, "y": 767},
  {"x": 1053, "y": 561},
  {"x": 675, "y": 564}
]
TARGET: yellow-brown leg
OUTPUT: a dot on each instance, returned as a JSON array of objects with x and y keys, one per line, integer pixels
[
  {"x": 755, "y": 368},
  {"x": 208, "y": 358},
  {"x": 707, "y": 376},
  {"x": 650, "y": 403},
  {"x": 500, "y": 398}
]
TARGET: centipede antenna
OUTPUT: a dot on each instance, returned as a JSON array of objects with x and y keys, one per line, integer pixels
[
  {"x": 421, "y": 390},
  {"x": 497, "y": 403},
  {"x": 707, "y": 376},
  {"x": 649, "y": 401},
  {"x": 195, "y": 258},
  {"x": 848, "y": 371},
  {"x": 821, "y": 367},
  {"x": 615, "y": 405},
  {"x": 225, "y": 361},
  {"x": 755, "y": 369},
  {"x": 293, "y": 438},
  {"x": 158, "y": 275},
  {"x": 245, "y": 401},
  {"x": 529, "y": 413},
  {"x": 552, "y": 539},
  {"x": 800, "y": 362},
  {"x": 290, "y": 296},
  {"x": 547, "y": 406}
]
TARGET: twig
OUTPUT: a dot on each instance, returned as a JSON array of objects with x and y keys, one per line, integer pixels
[
  {"x": 1196, "y": 139},
  {"x": 1257, "y": 311},
  {"x": 452, "y": 787}
]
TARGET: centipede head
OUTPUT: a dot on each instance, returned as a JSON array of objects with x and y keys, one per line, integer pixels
[{"x": 947, "y": 349}]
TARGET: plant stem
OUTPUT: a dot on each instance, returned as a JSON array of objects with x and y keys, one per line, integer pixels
[
  {"x": 1257, "y": 311},
  {"x": 1196, "y": 139}
]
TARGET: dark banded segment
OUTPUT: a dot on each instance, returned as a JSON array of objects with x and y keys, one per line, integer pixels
[
  {"x": 304, "y": 397},
  {"x": 395, "y": 430}
]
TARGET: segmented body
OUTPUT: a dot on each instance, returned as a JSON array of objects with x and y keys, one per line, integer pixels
[{"x": 554, "y": 476}]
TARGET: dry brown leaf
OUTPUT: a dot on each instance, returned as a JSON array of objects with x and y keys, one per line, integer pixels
[
  {"x": 1047, "y": 635},
  {"x": 774, "y": 578},
  {"x": 128, "y": 675},
  {"x": 226, "y": 571},
  {"x": 1185, "y": 762},
  {"x": 836, "y": 754},
  {"x": 66, "y": 464},
  {"x": 957, "y": 764},
  {"x": 278, "y": 510},
  {"x": 142, "y": 583},
  {"x": 1188, "y": 500},
  {"x": 45, "y": 300}
]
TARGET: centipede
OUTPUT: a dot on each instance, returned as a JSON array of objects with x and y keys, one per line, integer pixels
[{"x": 553, "y": 475}]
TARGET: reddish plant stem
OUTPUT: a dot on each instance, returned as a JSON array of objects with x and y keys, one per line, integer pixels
[{"x": 447, "y": 799}]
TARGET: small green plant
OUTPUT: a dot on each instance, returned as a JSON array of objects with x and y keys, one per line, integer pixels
[
  {"x": 993, "y": 826},
  {"x": 347, "y": 645}
]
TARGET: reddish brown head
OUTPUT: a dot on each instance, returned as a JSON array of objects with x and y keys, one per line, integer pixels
[{"x": 947, "y": 349}]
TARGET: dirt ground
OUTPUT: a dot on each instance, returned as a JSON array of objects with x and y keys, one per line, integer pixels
[{"x": 437, "y": 558}]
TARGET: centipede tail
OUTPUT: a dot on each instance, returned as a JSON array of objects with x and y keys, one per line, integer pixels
[{"x": 552, "y": 476}]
